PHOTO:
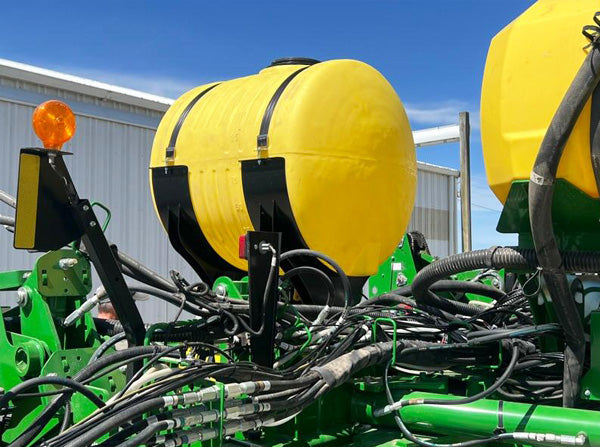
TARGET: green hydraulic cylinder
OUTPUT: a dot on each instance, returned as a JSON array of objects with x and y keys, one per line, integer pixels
[{"x": 482, "y": 418}]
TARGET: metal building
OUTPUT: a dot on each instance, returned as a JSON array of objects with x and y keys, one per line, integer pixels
[
  {"x": 111, "y": 148},
  {"x": 115, "y": 129},
  {"x": 434, "y": 213}
]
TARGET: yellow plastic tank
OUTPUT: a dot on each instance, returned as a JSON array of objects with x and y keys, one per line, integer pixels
[
  {"x": 345, "y": 141},
  {"x": 530, "y": 65}
]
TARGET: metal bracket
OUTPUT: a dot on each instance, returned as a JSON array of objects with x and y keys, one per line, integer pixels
[{"x": 262, "y": 313}]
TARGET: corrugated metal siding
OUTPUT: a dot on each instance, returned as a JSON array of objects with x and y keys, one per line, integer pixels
[
  {"x": 27, "y": 93},
  {"x": 434, "y": 214},
  {"x": 111, "y": 152},
  {"x": 110, "y": 165}
]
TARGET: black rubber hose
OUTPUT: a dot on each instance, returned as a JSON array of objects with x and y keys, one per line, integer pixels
[
  {"x": 482, "y": 394},
  {"x": 166, "y": 296},
  {"x": 312, "y": 310},
  {"x": 315, "y": 271},
  {"x": 423, "y": 443},
  {"x": 129, "y": 413},
  {"x": 541, "y": 193},
  {"x": 143, "y": 436},
  {"x": 513, "y": 258},
  {"x": 126, "y": 432},
  {"x": 88, "y": 371},
  {"x": 115, "y": 421},
  {"x": 146, "y": 272},
  {"x": 144, "y": 368},
  {"x": 339, "y": 370},
  {"x": 106, "y": 345},
  {"x": 343, "y": 277},
  {"x": 392, "y": 298},
  {"x": 109, "y": 327},
  {"x": 389, "y": 298},
  {"x": 476, "y": 288},
  {"x": 134, "y": 275},
  {"x": 69, "y": 385},
  {"x": 114, "y": 328}
]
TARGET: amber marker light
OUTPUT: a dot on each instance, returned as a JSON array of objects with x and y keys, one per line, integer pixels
[{"x": 54, "y": 123}]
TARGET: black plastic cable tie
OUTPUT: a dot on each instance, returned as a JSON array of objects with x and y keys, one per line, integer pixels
[
  {"x": 500, "y": 427},
  {"x": 490, "y": 260}
]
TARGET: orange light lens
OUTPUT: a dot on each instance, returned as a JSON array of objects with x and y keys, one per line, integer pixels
[{"x": 54, "y": 123}]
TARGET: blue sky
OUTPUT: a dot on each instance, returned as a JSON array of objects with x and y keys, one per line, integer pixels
[{"x": 432, "y": 52}]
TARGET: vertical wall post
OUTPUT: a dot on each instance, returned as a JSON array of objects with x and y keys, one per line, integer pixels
[{"x": 465, "y": 180}]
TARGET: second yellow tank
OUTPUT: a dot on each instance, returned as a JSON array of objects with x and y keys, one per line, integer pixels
[{"x": 529, "y": 67}]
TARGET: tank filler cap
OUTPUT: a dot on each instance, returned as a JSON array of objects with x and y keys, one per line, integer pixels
[{"x": 294, "y": 61}]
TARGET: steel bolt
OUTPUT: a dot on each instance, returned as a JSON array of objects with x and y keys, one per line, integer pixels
[
  {"x": 92, "y": 224},
  {"x": 221, "y": 290},
  {"x": 22, "y": 297},
  {"x": 401, "y": 280},
  {"x": 86, "y": 208},
  {"x": 587, "y": 393},
  {"x": 67, "y": 263}
]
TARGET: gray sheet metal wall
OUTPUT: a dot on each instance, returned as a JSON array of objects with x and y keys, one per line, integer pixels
[
  {"x": 434, "y": 214},
  {"x": 111, "y": 152},
  {"x": 110, "y": 164}
]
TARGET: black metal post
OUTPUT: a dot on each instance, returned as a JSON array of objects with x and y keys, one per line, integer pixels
[
  {"x": 465, "y": 179},
  {"x": 262, "y": 311}
]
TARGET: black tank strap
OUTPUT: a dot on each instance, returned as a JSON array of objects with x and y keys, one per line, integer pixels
[
  {"x": 170, "y": 151},
  {"x": 500, "y": 428},
  {"x": 262, "y": 141}
]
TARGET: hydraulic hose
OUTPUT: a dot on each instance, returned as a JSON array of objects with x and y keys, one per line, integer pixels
[
  {"x": 541, "y": 192},
  {"x": 114, "y": 421},
  {"x": 393, "y": 299},
  {"x": 88, "y": 371},
  {"x": 496, "y": 258},
  {"x": 106, "y": 345},
  {"x": 343, "y": 277},
  {"x": 114, "y": 329},
  {"x": 513, "y": 258},
  {"x": 466, "y": 400},
  {"x": 315, "y": 271},
  {"x": 68, "y": 384},
  {"x": 143, "y": 436},
  {"x": 443, "y": 268},
  {"x": 165, "y": 296},
  {"x": 146, "y": 272},
  {"x": 458, "y": 287}
]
